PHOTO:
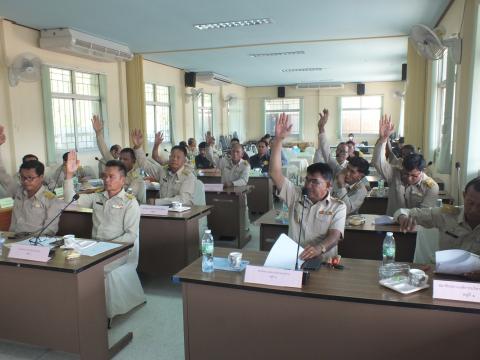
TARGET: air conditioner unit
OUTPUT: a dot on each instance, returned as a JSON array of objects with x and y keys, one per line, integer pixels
[
  {"x": 74, "y": 42},
  {"x": 321, "y": 85},
  {"x": 213, "y": 79}
]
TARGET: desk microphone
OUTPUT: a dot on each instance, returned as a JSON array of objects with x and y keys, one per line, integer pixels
[
  {"x": 35, "y": 242},
  {"x": 100, "y": 161},
  {"x": 304, "y": 194},
  {"x": 458, "y": 167},
  {"x": 55, "y": 184}
]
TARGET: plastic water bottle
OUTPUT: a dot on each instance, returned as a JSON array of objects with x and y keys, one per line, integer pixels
[
  {"x": 439, "y": 203},
  {"x": 284, "y": 213},
  {"x": 2, "y": 241},
  {"x": 388, "y": 249},
  {"x": 381, "y": 187},
  {"x": 207, "y": 252}
]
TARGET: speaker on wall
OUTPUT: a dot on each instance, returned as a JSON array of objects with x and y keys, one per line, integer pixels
[
  {"x": 281, "y": 91},
  {"x": 190, "y": 79},
  {"x": 404, "y": 72},
  {"x": 360, "y": 89}
]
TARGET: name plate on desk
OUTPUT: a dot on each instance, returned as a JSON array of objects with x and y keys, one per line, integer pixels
[
  {"x": 29, "y": 252},
  {"x": 6, "y": 202},
  {"x": 456, "y": 290},
  {"x": 213, "y": 187},
  {"x": 153, "y": 210},
  {"x": 273, "y": 276}
]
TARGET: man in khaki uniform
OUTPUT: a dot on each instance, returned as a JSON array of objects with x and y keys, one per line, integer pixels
[
  {"x": 56, "y": 179},
  {"x": 409, "y": 186},
  {"x": 323, "y": 153},
  {"x": 323, "y": 216},
  {"x": 134, "y": 182},
  {"x": 34, "y": 206},
  {"x": 350, "y": 184},
  {"x": 177, "y": 182},
  {"x": 235, "y": 171},
  {"x": 459, "y": 227},
  {"x": 116, "y": 217}
]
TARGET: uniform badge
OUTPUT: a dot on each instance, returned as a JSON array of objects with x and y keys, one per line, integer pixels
[{"x": 117, "y": 206}]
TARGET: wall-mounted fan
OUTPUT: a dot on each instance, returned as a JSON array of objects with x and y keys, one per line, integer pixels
[
  {"x": 26, "y": 67},
  {"x": 429, "y": 44},
  {"x": 194, "y": 93}
]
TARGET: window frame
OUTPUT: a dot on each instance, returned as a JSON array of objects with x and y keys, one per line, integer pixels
[
  {"x": 298, "y": 136},
  {"x": 155, "y": 103},
  {"x": 54, "y": 155},
  {"x": 342, "y": 133},
  {"x": 200, "y": 112}
]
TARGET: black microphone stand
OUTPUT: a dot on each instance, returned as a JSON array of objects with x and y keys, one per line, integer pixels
[
  {"x": 36, "y": 241},
  {"x": 300, "y": 231}
]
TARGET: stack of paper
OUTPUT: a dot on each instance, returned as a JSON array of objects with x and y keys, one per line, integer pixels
[
  {"x": 283, "y": 254},
  {"x": 456, "y": 262}
]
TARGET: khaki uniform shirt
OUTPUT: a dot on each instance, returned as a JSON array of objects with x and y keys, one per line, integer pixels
[
  {"x": 236, "y": 173},
  {"x": 114, "y": 219},
  {"x": 56, "y": 179},
  {"x": 178, "y": 186},
  {"x": 323, "y": 154},
  {"x": 353, "y": 196},
  {"x": 134, "y": 181},
  {"x": 31, "y": 214},
  {"x": 318, "y": 218},
  {"x": 423, "y": 194},
  {"x": 455, "y": 233}
]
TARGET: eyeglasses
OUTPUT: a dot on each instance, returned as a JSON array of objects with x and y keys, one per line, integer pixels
[
  {"x": 28, "y": 178},
  {"x": 314, "y": 181}
]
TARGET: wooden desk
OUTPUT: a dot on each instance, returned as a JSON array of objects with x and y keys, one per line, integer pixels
[
  {"x": 227, "y": 220},
  {"x": 365, "y": 241},
  {"x": 374, "y": 204},
  {"x": 360, "y": 242},
  {"x": 167, "y": 243},
  {"x": 260, "y": 199},
  {"x": 59, "y": 304},
  {"x": 338, "y": 314}
]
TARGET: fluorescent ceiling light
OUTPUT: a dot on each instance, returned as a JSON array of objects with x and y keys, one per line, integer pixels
[
  {"x": 278, "y": 53},
  {"x": 303, "y": 69},
  {"x": 232, "y": 24}
]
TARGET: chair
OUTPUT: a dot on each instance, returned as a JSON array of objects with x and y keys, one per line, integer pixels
[
  {"x": 123, "y": 290},
  {"x": 199, "y": 199}
]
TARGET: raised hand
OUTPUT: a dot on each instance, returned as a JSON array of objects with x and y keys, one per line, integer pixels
[
  {"x": 283, "y": 127},
  {"x": 209, "y": 138},
  {"x": 137, "y": 138},
  {"x": 386, "y": 127},
  {"x": 97, "y": 124},
  {"x": 3, "y": 137},
  {"x": 72, "y": 164},
  {"x": 158, "y": 138},
  {"x": 322, "y": 121}
]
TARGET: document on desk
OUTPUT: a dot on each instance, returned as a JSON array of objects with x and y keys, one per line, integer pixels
[
  {"x": 384, "y": 220},
  {"x": 456, "y": 262},
  {"x": 283, "y": 254},
  {"x": 153, "y": 210},
  {"x": 98, "y": 248},
  {"x": 213, "y": 187}
]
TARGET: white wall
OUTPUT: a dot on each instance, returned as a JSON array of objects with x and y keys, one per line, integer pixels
[
  {"x": 315, "y": 101},
  {"x": 21, "y": 107}
]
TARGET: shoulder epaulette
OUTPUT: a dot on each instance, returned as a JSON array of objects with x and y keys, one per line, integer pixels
[
  {"x": 49, "y": 195},
  {"x": 450, "y": 209},
  {"x": 429, "y": 182},
  {"x": 130, "y": 196}
]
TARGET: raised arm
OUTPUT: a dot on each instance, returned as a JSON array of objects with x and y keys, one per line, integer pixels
[
  {"x": 156, "y": 155},
  {"x": 85, "y": 200},
  {"x": 142, "y": 162},
  {"x": 322, "y": 154},
  {"x": 6, "y": 180},
  {"x": 379, "y": 159},
  {"x": 97, "y": 124},
  {"x": 283, "y": 128}
]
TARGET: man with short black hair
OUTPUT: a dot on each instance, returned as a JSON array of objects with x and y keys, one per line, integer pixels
[
  {"x": 134, "y": 182},
  {"x": 34, "y": 206},
  {"x": 323, "y": 216},
  {"x": 201, "y": 160},
  {"x": 177, "y": 181},
  {"x": 459, "y": 226},
  {"x": 29, "y": 157},
  {"x": 351, "y": 184},
  {"x": 191, "y": 149},
  {"x": 55, "y": 180},
  {"x": 234, "y": 141},
  {"x": 409, "y": 186},
  {"x": 261, "y": 159}
]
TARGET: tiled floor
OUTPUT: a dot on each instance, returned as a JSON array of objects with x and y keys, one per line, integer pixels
[{"x": 157, "y": 326}]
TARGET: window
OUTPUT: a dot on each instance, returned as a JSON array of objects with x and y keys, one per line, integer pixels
[
  {"x": 205, "y": 113},
  {"x": 291, "y": 107},
  {"x": 73, "y": 97},
  {"x": 158, "y": 112},
  {"x": 360, "y": 114},
  {"x": 235, "y": 118}
]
